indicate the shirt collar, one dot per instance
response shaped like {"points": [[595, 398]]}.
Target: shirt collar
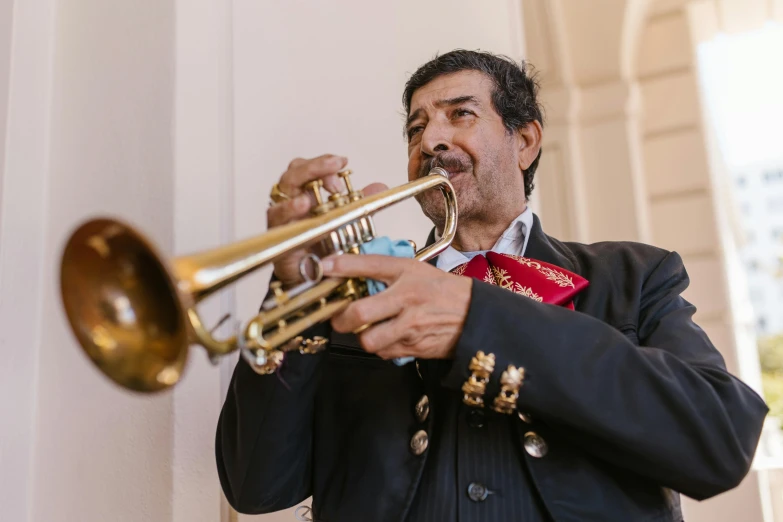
{"points": [[512, 241]]}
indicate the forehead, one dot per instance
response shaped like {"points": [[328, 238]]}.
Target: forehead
{"points": [[449, 86]]}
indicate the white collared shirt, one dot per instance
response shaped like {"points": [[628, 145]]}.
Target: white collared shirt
{"points": [[512, 241]]}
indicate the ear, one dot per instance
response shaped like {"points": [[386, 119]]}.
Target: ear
{"points": [[529, 143]]}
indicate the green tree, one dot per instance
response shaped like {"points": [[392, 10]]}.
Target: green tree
{"points": [[771, 358]]}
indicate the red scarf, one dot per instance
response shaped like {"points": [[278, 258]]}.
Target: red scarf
{"points": [[537, 280]]}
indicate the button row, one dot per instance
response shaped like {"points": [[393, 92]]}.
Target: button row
{"points": [[422, 409], [420, 439]]}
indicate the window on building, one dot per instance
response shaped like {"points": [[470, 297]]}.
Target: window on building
{"points": [[773, 176], [775, 204]]}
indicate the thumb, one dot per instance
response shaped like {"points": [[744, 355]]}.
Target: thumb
{"points": [[374, 188]]}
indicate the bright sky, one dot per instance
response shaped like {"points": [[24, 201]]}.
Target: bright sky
{"points": [[742, 77]]}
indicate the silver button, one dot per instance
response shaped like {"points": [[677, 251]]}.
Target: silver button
{"points": [[422, 408], [477, 492], [524, 417], [535, 445], [419, 442]]}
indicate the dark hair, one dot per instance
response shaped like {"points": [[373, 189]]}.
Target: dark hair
{"points": [[514, 97]]}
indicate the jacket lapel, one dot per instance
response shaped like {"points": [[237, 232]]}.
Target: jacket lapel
{"points": [[543, 248]]}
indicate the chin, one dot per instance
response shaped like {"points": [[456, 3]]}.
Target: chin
{"points": [[433, 206]]}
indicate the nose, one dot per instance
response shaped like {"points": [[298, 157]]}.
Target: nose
{"points": [[435, 139]]}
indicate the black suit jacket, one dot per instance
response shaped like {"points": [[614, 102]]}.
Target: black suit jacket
{"points": [[632, 397]]}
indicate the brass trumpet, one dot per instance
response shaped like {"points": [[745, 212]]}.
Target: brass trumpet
{"points": [[134, 313]]}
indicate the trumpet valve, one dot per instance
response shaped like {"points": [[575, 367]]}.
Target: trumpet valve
{"points": [[315, 187], [353, 195], [322, 206], [338, 200]]}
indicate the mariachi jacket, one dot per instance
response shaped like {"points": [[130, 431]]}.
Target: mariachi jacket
{"points": [[633, 400]]}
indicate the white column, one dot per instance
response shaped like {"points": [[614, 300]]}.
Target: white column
{"points": [[26, 54], [203, 219], [100, 452]]}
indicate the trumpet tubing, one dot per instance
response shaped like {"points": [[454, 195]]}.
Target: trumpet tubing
{"points": [[134, 313]]}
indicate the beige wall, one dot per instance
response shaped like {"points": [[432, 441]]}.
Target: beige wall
{"points": [[21, 177], [6, 19], [88, 131], [101, 453]]}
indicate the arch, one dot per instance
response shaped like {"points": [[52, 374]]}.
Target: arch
{"points": [[620, 79]]}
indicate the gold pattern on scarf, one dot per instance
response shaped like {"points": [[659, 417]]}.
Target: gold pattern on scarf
{"points": [[503, 280], [460, 269], [558, 277]]}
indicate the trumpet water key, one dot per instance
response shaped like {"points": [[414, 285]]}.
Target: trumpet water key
{"points": [[134, 313]]}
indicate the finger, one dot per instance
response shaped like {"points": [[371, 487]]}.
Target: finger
{"points": [[382, 337], [369, 310], [374, 188], [301, 172], [381, 268], [394, 351], [333, 184], [288, 211]]}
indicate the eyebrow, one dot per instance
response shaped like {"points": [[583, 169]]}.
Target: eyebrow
{"points": [[448, 102]]}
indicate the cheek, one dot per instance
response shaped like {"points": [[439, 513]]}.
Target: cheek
{"points": [[413, 165]]}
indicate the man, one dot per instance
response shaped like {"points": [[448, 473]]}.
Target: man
{"points": [[579, 391]]}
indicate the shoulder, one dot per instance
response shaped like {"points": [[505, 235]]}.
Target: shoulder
{"points": [[626, 262], [618, 252]]}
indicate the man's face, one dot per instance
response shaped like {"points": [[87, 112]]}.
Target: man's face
{"points": [[452, 124]]}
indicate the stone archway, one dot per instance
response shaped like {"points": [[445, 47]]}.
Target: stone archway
{"points": [[591, 108], [629, 155]]}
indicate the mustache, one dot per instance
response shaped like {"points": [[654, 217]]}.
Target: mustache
{"points": [[450, 162]]}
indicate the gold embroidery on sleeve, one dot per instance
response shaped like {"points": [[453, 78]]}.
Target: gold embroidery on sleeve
{"points": [[510, 383], [481, 367]]}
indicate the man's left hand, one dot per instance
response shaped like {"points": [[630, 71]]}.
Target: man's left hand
{"points": [[423, 308]]}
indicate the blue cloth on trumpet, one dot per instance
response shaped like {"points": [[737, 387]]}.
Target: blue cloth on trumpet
{"points": [[386, 247]]}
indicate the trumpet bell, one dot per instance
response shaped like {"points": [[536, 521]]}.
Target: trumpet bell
{"points": [[123, 307]]}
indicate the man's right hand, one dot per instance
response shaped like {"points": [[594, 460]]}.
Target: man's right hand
{"points": [[300, 172]]}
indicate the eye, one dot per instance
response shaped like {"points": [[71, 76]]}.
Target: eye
{"points": [[462, 112], [413, 131]]}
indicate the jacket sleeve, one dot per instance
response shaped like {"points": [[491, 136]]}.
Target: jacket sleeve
{"points": [[666, 408], [263, 444]]}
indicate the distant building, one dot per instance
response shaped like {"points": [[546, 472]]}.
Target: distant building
{"points": [[758, 191]]}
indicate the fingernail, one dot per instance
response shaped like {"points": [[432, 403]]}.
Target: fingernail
{"points": [[327, 264]]}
